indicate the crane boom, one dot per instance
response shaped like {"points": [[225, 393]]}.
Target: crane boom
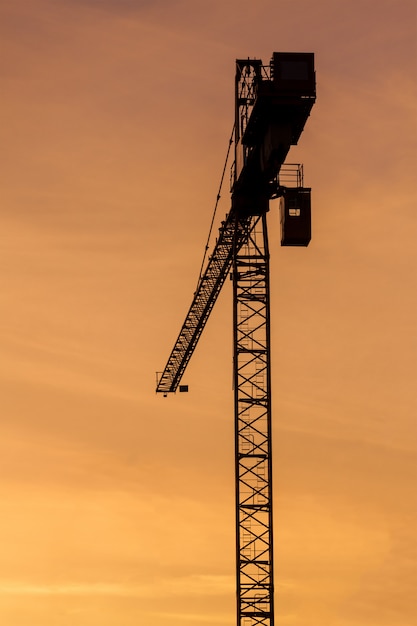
{"points": [[231, 237]]}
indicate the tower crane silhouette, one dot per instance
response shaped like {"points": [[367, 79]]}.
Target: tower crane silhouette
{"points": [[272, 104]]}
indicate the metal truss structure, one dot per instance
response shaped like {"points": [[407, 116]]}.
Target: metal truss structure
{"points": [[253, 458], [232, 234]]}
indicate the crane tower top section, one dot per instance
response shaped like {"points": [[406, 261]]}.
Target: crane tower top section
{"points": [[272, 105]]}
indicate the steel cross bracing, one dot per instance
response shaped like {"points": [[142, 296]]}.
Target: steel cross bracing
{"points": [[252, 389], [231, 236]]}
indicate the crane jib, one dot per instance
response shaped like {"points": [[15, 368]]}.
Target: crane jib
{"points": [[231, 237]]}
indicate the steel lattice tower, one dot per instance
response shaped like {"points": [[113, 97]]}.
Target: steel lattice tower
{"points": [[253, 458]]}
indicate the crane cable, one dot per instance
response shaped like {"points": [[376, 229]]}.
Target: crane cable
{"points": [[215, 207]]}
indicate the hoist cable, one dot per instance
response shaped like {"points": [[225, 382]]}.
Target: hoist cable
{"points": [[215, 207]]}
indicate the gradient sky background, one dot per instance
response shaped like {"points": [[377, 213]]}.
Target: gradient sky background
{"points": [[116, 505]]}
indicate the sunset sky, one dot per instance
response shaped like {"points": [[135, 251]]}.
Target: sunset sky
{"points": [[117, 505]]}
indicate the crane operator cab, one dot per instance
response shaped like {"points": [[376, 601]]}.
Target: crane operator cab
{"points": [[295, 216]]}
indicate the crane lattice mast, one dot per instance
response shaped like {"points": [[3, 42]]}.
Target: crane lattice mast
{"points": [[272, 104]]}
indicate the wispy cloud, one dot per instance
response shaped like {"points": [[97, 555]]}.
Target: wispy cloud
{"points": [[195, 618], [194, 585], [69, 589]]}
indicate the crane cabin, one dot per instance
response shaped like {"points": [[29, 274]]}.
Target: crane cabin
{"points": [[295, 216]]}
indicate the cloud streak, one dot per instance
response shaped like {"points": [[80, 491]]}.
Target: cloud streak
{"points": [[192, 585]]}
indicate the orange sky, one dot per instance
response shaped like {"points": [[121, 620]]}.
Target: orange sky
{"points": [[117, 506]]}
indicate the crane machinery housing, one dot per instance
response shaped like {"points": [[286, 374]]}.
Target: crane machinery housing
{"points": [[272, 104]]}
